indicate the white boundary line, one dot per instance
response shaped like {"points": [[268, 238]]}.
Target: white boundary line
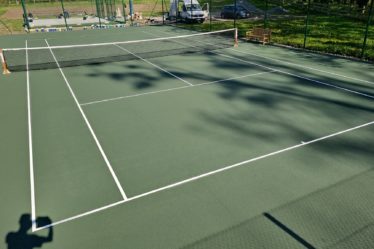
{"points": [[298, 76], [122, 42], [89, 127], [225, 168], [277, 70], [306, 67], [202, 175], [147, 61], [173, 89], [298, 65], [31, 157]]}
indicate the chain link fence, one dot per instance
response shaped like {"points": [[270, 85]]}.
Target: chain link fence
{"points": [[339, 27], [343, 27]]}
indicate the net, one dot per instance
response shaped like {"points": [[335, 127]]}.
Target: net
{"points": [[87, 54]]}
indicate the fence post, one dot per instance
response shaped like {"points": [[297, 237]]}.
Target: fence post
{"points": [[306, 24], [163, 12], [25, 17], [98, 11], [210, 15], [64, 15], [131, 11], [266, 15], [367, 29], [234, 13], [124, 11]]}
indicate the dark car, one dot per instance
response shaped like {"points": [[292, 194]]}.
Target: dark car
{"points": [[228, 11]]}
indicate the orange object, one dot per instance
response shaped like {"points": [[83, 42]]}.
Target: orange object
{"points": [[5, 67]]}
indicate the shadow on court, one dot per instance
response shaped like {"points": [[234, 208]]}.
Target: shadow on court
{"points": [[22, 239], [293, 224]]}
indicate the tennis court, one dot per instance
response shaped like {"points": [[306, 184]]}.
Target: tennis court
{"points": [[201, 145]]}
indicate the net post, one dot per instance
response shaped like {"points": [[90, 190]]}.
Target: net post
{"points": [[3, 62], [64, 13], [163, 12], [367, 29], [306, 25], [25, 16], [236, 38]]}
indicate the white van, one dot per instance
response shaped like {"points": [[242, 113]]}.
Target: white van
{"points": [[190, 11]]}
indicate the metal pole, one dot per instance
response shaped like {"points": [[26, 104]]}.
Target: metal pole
{"points": [[266, 15], [102, 8], [210, 15], [191, 11], [113, 9], [124, 11], [235, 14], [106, 5], [131, 11], [163, 12], [63, 13], [367, 29], [176, 11], [306, 24], [25, 17], [110, 6], [98, 12]]}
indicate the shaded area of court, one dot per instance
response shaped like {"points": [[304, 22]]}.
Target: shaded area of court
{"points": [[305, 120]]}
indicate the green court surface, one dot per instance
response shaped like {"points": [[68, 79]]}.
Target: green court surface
{"points": [[248, 147]]}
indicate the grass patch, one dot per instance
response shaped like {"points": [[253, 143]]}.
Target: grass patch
{"points": [[330, 34], [15, 26], [2, 10]]}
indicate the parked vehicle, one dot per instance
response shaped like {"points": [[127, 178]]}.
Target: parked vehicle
{"points": [[188, 11], [229, 11]]}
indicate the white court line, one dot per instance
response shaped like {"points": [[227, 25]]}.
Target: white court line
{"points": [[173, 89], [89, 127], [298, 76], [173, 185], [119, 43], [294, 64], [277, 70], [147, 61], [31, 157], [302, 66]]}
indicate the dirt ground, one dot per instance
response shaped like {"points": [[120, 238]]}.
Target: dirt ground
{"points": [[13, 14], [16, 13]]}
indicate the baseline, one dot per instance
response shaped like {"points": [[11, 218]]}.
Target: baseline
{"points": [[191, 179]]}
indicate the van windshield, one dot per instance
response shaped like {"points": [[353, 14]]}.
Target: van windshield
{"points": [[193, 7]]}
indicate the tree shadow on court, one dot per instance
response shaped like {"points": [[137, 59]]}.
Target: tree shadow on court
{"points": [[133, 75], [284, 110], [292, 224], [22, 239], [140, 75]]}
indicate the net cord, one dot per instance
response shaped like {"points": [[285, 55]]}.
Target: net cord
{"points": [[3, 63], [126, 42]]}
